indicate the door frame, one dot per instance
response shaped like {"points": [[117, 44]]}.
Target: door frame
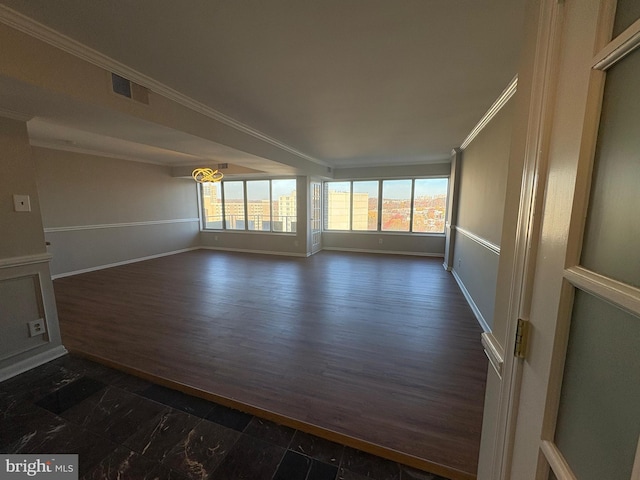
{"points": [[536, 94], [564, 106]]}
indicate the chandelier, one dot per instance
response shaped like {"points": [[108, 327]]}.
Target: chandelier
{"points": [[205, 175]]}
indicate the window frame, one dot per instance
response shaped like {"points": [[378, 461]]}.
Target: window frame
{"points": [[379, 230], [246, 229]]}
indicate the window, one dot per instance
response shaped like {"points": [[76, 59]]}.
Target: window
{"points": [[429, 205], [337, 197], [284, 205], [212, 205], [234, 205], [403, 205], [396, 205], [258, 206], [251, 205], [365, 205]]}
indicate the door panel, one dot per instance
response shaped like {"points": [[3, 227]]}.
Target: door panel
{"points": [[611, 237], [599, 415], [579, 393]]}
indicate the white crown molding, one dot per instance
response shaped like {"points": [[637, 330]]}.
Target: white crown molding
{"points": [[13, 115], [56, 39], [492, 112]]}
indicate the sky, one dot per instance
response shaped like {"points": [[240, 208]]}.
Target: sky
{"points": [[395, 189], [259, 189]]}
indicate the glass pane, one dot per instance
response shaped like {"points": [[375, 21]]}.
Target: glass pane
{"points": [[337, 197], [612, 231], [258, 205], [396, 205], [365, 205], [429, 205], [627, 12], [284, 205], [234, 205], [212, 205], [599, 416]]}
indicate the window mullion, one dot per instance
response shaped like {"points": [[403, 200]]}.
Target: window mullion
{"points": [[379, 205], [224, 207], [271, 205], [413, 184], [246, 205]]}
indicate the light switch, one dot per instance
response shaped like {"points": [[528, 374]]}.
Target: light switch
{"points": [[21, 203]]}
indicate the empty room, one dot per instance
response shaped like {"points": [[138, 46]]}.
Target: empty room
{"points": [[320, 240]]}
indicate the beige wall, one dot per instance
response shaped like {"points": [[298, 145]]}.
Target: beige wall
{"points": [[481, 204], [26, 290], [99, 211], [21, 232]]}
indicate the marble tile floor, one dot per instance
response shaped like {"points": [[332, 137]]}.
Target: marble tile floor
{"points": [[126, 428]]}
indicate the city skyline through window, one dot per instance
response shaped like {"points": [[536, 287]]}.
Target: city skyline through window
{"points": [[269, 206], [397, 205]]}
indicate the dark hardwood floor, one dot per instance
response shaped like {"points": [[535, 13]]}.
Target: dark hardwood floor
{"points": [[378, 352]]}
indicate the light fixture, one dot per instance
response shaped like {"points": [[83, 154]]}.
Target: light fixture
{"points": [[205, 175]]}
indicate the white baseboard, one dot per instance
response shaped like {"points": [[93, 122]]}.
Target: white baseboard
{"points": [[261, 252], [476, 311], [386, 252], [31, 362], [124, 262]]}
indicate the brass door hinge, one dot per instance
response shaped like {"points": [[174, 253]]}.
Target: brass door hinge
{"points": [[522, 338]]}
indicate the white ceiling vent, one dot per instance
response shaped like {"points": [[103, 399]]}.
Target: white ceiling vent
{"points": [[129, 89]]}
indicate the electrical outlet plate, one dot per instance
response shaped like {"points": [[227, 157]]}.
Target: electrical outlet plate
{"points": [[36, 327]]}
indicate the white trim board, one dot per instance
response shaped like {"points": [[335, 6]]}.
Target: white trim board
{"points": [[56, 39], [479, 240], [492, 112], [474, 308], [387, 252], [31, 362], [118, 225], [260, 252], [124, 262], [25, 260]]}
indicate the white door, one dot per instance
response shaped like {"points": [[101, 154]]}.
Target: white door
{"points": [[316, 217], [578, 414]]}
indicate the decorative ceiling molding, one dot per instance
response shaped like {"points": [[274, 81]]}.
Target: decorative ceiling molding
{"points": [[492, 112], [56, 39]]}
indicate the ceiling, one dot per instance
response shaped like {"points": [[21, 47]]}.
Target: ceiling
{"points": [[349, 83]]}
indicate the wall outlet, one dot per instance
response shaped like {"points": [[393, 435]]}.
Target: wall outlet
{"points": [[295, 243], [36, 327], [216, 238], [21, 203], [379, 241]]}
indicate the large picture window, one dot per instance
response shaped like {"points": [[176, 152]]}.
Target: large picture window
{"points": [[403, 205], [251, 205]]}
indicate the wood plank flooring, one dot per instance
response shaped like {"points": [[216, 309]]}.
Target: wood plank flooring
{"points": [[379, 352]]}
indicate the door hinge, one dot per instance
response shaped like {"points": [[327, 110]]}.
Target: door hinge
{"points": [[522, 338]]}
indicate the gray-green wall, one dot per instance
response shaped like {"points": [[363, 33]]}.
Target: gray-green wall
{"points": [[101, 211], [481, 203]]}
